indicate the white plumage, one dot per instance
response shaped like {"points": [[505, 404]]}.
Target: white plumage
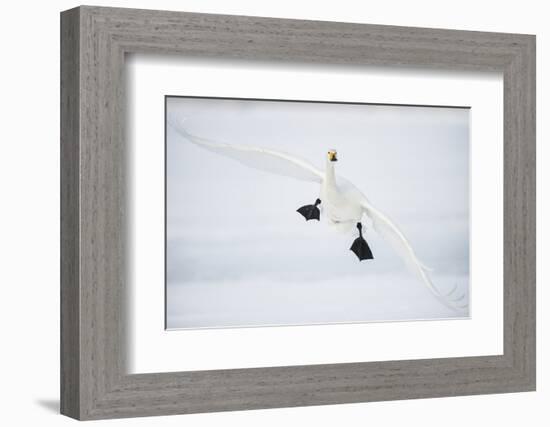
{"points": [[343, 204]]}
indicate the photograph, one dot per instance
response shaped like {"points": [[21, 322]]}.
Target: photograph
{"points": [[283, 212]]}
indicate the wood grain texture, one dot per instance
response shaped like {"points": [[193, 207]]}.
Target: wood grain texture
{"points": [[94, 272], [70, 292]]}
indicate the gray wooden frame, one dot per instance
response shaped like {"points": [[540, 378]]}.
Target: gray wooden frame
{"points": [[94, 41]]}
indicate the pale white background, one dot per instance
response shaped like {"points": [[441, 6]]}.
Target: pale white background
{"points": [[29, 168]]}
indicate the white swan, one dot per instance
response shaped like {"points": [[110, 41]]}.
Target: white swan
{"points": [[342, 203]]}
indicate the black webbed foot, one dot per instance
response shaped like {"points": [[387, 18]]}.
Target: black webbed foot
{"points": [[311, 211], [360, 246]]}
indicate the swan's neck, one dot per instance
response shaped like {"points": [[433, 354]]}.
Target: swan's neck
{"points": [[329, 174]]}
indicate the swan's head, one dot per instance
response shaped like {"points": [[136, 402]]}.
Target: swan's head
{"points": [[332, 156]]}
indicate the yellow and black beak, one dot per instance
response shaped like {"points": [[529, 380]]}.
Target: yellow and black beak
{"points": [[332, 156]]}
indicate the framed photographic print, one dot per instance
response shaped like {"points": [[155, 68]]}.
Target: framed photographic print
{"points": [[262, 213]]}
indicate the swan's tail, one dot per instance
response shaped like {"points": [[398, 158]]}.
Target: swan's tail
{"points": [[341, 227]]}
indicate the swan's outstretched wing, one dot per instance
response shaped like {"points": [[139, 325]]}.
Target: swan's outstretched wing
{"points": [[397, 240], [264, 159], [391, 233]]}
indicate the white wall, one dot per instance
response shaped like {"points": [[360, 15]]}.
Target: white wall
{"points": [[29, 226]]}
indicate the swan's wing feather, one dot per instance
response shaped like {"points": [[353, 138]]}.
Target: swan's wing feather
{"points": [[391, 233], [264, 159]]}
